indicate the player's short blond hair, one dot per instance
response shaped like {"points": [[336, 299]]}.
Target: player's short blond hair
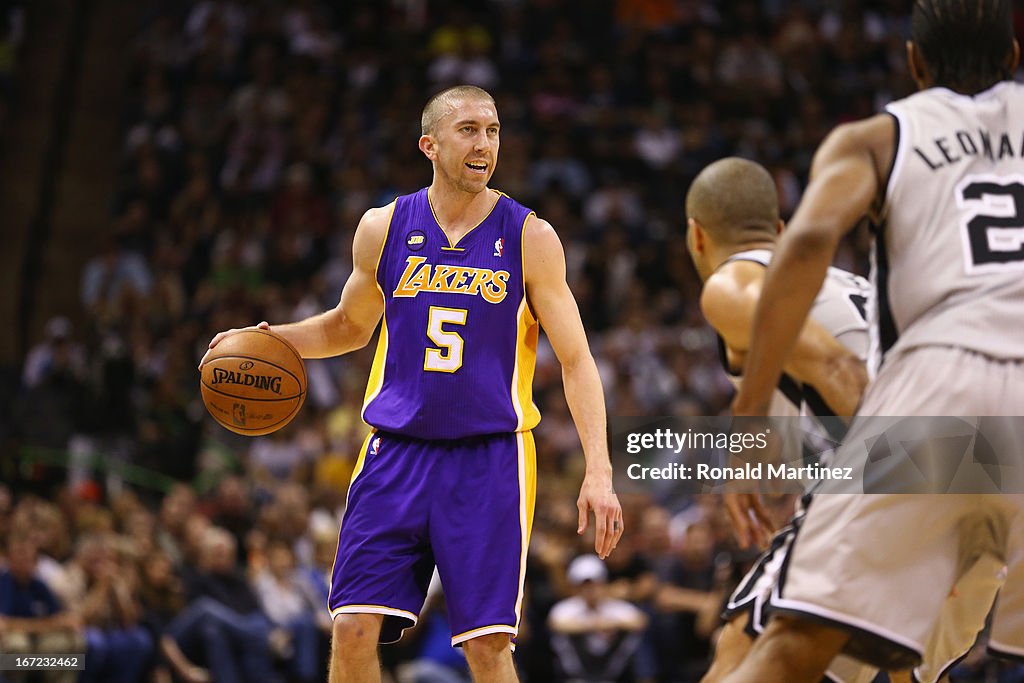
{"points": [[441, 104]]}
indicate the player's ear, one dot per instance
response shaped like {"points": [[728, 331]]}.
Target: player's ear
{"points": [[697, 236], [918, 69], [1014, 58], [779, 227], [428, 146]]}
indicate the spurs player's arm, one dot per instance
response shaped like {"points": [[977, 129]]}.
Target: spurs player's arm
{"points": [[847, 178], [349, 325], [553, 304], [729, 300]]}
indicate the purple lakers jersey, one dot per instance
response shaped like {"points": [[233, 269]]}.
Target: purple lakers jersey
{"points": [[458, 343]]}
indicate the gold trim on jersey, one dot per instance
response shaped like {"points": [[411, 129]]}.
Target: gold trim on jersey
{"points": [[375, 609], [522, 258], [460, 638], [375, 382], [355, 473], [527, 500], [521, 390], [452, 245], [527, 333]]}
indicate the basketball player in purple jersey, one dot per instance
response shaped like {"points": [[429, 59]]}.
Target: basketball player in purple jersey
{"points": [[463, 277]]}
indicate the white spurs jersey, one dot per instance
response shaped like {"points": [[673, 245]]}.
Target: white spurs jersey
{"points": [[841, 308], [948, 265]]}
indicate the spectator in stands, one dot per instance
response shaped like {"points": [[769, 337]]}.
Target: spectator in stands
{"points": [[594, 636], [116, 272], [6, 503], [279, 589], [162, 597], [31, 620], [231, 510], [53, 408], [57, 353], [175, 509], [223, 624], [118, 648], [689, 601]]}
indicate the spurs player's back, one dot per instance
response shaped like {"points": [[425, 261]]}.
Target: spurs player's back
{"points": [[840, 309], [949, 259]]}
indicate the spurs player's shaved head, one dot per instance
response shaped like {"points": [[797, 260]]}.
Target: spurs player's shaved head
{"points": [[442, 104], [734, 201]]}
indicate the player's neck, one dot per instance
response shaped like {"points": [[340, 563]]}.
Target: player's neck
{"points": [[458, 211], [719, 257], [759, 245]]}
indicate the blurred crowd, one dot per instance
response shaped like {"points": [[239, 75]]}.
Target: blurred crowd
{"points": [[12, 30], [255, 136]]}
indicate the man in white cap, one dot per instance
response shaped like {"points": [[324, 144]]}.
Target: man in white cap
{"points": [[594, 636]]}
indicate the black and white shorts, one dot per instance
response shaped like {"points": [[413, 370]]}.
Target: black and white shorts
{"points": [[913, 576]]}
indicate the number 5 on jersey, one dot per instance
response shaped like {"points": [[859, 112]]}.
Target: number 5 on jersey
{"points": [[448, 357]]}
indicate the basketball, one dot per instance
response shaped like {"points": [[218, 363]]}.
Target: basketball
{"points": [[254, 382]]}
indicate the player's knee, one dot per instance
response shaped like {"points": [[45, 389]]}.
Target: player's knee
{"points": [[355, 633], [487, 648]]}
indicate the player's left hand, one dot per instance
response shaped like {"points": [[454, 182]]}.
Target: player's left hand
{"points": [[598, 495], [751, 522]]}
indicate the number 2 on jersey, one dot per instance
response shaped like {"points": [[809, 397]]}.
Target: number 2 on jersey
{"points": [[993, 226], [448, 357]]}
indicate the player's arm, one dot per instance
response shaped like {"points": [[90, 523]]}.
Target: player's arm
{"points": [[846, 180], [349, 325], [553, 304], [625, 617], [729, 301]]}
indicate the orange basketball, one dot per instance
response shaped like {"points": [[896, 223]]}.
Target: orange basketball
{"points": [[254, 382]]}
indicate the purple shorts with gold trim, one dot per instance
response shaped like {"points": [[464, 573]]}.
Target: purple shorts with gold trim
{"points": [[465, 506]]}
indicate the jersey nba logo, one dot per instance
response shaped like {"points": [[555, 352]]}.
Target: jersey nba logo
{"points": [[375, 446], [499, 246]]}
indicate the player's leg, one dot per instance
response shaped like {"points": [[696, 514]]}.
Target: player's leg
{"points": [[1007, 639], [830, 587], [480, 531], [736, 640], [744, 611], [879, 567], [963, 617], [834, 579], [383, 566], [490, 658], [354, 648], [731, 648], [790, 651]]}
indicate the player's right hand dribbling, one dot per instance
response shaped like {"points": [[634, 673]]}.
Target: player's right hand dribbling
{"points": [[264, 325]]}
